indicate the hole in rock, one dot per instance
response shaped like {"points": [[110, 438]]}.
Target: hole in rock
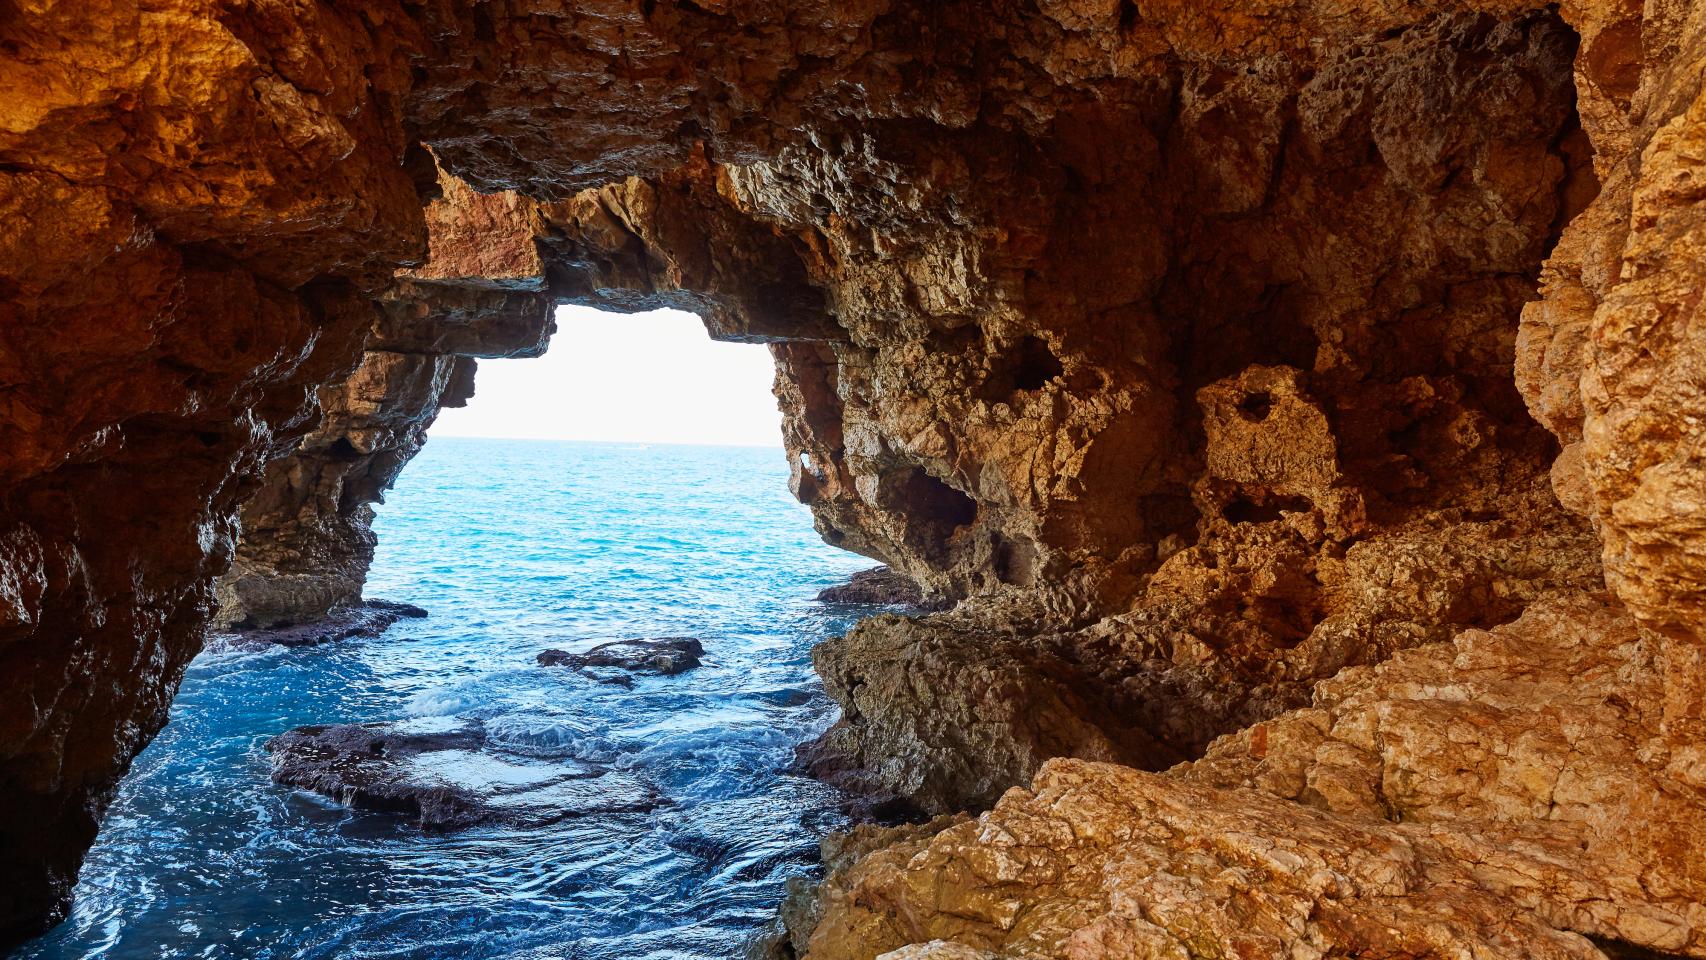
{"points": [[1015, 562], [1263, 508], [1026, 366], [932, 510], [1256, 407], [1624, 950], [631, 484]]}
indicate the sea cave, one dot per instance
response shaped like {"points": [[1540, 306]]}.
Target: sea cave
{"points": [[1280, 426]]}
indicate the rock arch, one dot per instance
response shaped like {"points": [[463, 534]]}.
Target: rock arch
{"points": [[249, 250]]}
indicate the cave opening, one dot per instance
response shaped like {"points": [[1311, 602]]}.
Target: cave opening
{"points": [[1023, 367], [582, 663], [1290, 260], [935, 512]]}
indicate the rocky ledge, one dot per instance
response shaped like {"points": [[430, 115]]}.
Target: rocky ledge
{"points": [[446, 775], [880, 587], [364, 620], [1491, 796]]}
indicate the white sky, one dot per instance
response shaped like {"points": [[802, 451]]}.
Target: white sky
{"points": [[652, 377]]}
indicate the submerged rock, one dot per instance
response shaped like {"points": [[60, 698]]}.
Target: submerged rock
{"points": [[365, 620], [664, 656], [879, 586], [445, 776]]}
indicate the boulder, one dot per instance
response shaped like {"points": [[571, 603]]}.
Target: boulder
{"points": [[878, 586], [663, 656]]}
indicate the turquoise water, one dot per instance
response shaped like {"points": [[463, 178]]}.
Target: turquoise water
{"points": [[514, 547]]}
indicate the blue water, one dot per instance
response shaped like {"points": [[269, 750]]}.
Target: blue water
{"points": [[514, 547]]}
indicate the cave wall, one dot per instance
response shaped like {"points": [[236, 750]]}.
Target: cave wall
{"points": [[306, 536], [1175, 340]]}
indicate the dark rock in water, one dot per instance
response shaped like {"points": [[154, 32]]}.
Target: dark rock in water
{"points": [[880, 586], [368, 619], [443, 774], [663, 655]]}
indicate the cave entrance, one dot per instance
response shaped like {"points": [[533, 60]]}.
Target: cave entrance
{"points": [[628, 485], [626, 378]]}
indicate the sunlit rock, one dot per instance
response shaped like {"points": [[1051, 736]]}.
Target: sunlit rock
{"points": [[1202, 352]]}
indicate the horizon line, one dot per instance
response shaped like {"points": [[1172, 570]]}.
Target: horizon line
{"points": [[662, 443]]}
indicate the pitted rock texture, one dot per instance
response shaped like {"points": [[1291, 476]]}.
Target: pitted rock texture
{"points": [[1186, 343], [950, 710], [1487, 796]]}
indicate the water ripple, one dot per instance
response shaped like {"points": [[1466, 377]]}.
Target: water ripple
{"points": [[515, 547]]}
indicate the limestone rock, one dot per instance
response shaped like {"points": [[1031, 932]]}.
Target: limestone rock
{"points": [[878, 586], [307, 539], [1191, 346], [365, 620], [1488, 795]]}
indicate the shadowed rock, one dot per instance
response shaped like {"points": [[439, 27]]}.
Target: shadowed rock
{"points": [[366, 620], [879, 586], [664, 656], [444, 776]]}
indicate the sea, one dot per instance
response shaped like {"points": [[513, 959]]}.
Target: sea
{"points": [[514, 547]]}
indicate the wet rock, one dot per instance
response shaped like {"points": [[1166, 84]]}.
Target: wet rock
{"points": [[879, 586], [445, 776], [365, 620], [662, 656]]}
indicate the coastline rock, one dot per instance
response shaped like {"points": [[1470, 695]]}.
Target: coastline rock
{"points": [[661, 656], [1488, 795], [444, 776], [946, 712], [307, 538], [878, 586], [1192, 345], [366, 620], [941, 721]]}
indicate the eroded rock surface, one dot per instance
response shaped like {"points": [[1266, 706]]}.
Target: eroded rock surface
{"points": [[663, 656], [1194, 348], [878, 586], [364, 620], [1488, 796], [307, 535], [444, 776]]}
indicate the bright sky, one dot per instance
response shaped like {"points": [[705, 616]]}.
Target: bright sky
{"points": [[651, 377]]}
